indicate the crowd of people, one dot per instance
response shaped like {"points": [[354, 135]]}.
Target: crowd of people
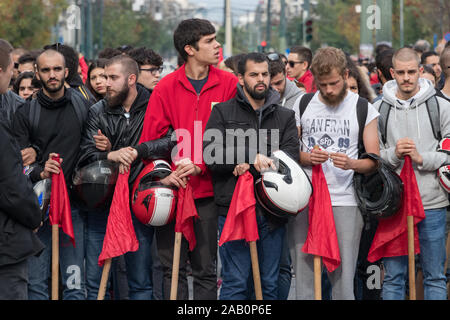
{"points": [[117, 108]]}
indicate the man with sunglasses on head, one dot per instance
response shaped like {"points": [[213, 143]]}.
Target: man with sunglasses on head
{"points": [[299, 62], [150, 66]]}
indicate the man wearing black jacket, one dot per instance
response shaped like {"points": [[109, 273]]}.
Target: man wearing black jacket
{"points": [[255, 106], [112, 132], [55, 127], [19, 208]]}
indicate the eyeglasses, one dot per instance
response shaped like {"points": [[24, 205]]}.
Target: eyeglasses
{"points": [[273, 56], [293, 63], [153, 70]]}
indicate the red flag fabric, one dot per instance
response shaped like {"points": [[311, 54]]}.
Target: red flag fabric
{"points": [[120, 237], [322, 237], [59, 210], [391, 237], [186, 213], [241, 218]]}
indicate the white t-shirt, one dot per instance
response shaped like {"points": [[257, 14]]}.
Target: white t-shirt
{"points": [[334, 129]]}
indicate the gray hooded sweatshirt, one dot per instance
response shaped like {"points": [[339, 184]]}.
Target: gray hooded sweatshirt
{"points": [[291, 93], [410, 119]]}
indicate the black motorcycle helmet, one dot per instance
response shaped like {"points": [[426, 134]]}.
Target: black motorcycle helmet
{"points": [[94, 184], [378, 194]]}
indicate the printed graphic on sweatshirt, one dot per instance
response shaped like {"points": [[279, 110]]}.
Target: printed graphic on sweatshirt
{"points": [[330, 134]]}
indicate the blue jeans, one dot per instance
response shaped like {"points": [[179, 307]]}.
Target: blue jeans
{"points": [[432, 258], [237, 273], [71, 262], [139, 281], [285, 276]]}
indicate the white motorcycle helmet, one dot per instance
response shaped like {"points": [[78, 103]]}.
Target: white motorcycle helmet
{"points": [[286, 191], [444, 171]]}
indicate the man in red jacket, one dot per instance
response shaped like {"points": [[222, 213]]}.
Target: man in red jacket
{"points": [[298, 67], [183, 100]]}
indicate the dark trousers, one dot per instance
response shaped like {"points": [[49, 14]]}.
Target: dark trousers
{"points": [[202, 259], [14, 281]]}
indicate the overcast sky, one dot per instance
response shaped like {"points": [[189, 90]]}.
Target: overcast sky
{"points": [[215, 8]]}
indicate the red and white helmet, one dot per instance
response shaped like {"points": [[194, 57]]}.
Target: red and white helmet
{"points": [[152, 202], [444, 171]]}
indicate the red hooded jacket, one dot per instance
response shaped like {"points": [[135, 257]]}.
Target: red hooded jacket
{"points": [[175, 103]]}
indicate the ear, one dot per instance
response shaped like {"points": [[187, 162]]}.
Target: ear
{"points": [[241, 79], [421, 70], [37, 74], [66, 73], [391, 70], [132, 79], [189, 50], [345, 75]]}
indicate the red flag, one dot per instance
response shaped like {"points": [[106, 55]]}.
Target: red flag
{"points": [[59, 211], [391, 238], [186, 213], [322, 238], [241, 217], [120, 237]]}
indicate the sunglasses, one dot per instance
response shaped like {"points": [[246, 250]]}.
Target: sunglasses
{"points": [[293, 63], [153, 70]]}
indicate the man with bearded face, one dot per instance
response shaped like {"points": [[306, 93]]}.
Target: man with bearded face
{"points": [[330, 122], [253, 112], [61, 115], [112, 132]]}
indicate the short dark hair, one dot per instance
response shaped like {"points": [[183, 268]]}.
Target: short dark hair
{"points": [[252, 56], [303, 53], [427, 54], [128, 64], [108, 53], [189, 32], [70, 57], [232, 62], [383, 62], [5, 54], [145, 56], [276, 67], [26, 58]]}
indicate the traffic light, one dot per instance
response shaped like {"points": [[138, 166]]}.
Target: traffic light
{"points": [[309, 30]]}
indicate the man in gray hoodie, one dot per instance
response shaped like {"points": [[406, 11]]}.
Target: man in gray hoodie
{"points": [[287, 89], [409, 132]]}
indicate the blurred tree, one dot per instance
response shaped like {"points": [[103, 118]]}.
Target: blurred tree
{"points": [[27, 23]]}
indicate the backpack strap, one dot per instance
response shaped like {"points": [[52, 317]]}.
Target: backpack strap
{"points": [[304, 101], [362, 107], [385, 109], [434, 114], [79, 106], [35, 113]]}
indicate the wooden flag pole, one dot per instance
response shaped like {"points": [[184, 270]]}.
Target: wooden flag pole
{"points": [[317, 278], [175, 266], [411, 262], [255, 269], [55, 261], [104, 280]]}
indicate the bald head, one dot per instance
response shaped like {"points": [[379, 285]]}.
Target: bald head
{"points": [[444, 61], [405, 55], [51, 54]]}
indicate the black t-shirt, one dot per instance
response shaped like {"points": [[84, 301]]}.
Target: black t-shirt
{"points": [[198, 84]]}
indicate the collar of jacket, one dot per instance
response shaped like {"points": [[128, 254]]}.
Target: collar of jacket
{"points": [[272, 99], [141, 101], [48, 103], [213, 79]]}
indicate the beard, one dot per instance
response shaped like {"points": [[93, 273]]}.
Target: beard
{"points": [[335, 100], [257, 95], [52, 89], [119, 98]]}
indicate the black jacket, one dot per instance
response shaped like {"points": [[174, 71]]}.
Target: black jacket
{"points": [[58, 130], [237, 113], [9, 102], [19, 207], [122, 131]]}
